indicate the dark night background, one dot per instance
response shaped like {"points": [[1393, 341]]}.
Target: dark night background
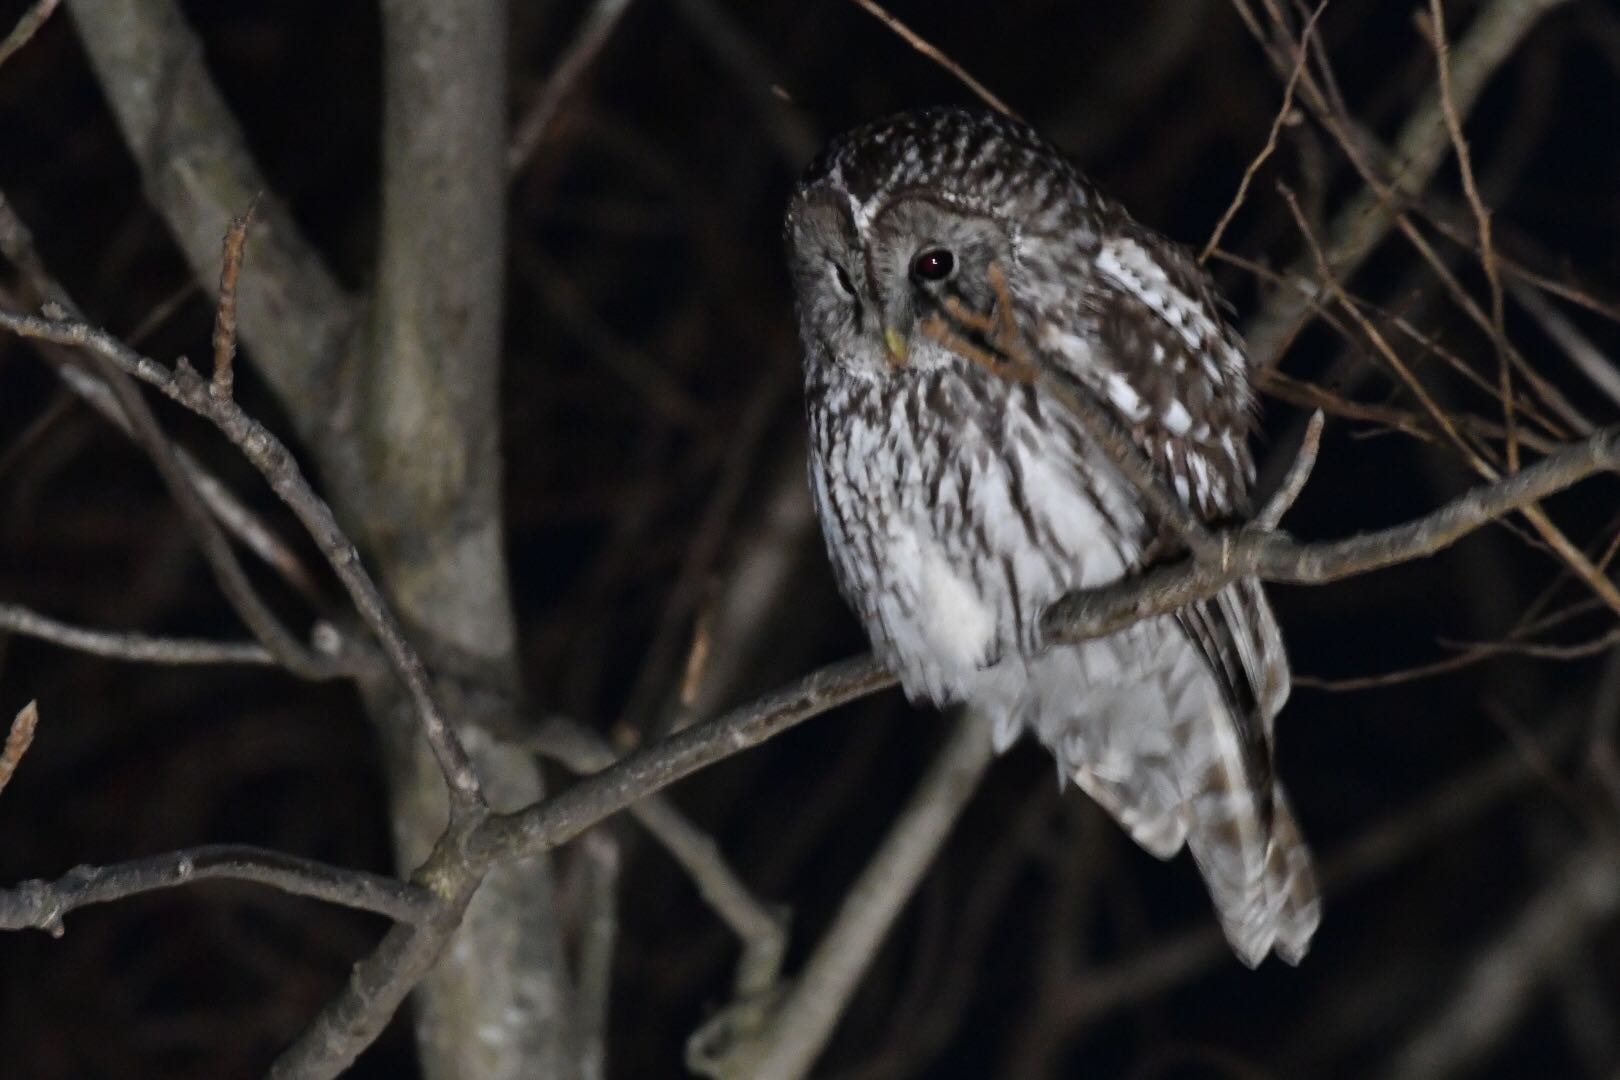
{"points": [[653, 436]]}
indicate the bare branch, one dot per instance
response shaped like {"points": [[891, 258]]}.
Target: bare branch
{"points": [[599, 936], [1274, 557], [800, 1025], [197, 171], [916, 41], [277, 465], [1294, 480], [26, 28], [1572, 556], [1592, 361], [225, 311], [762, 931], [564, 816], [139, 648], [1284, 112], [18, 739], [17, 244], [1482, 218], [1419, 148], [594, 31], [352, 1021], [215, 546], [42, 904]]}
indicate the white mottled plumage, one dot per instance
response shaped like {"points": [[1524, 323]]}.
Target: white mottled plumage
{"points": [[958, 501]]}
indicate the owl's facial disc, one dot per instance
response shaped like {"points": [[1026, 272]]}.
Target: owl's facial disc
{"points": [[924, 253]]}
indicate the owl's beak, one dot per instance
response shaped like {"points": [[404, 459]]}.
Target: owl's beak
{"points": [[896, 342]]}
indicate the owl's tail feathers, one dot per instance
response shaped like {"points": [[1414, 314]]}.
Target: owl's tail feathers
{"points": [[1290, 875], [1261, 881], [1263, 886]]}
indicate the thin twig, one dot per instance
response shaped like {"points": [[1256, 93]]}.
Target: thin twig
{"points": [[277, 465], [1294, 480], [42, 904], [225, 312], [600, 852], [1363, 221], [1555, 538], [17, 244], [798, 1028], [762, 930], [916, 41], [233, 581], [1482, 218], [1592, 361], [18, 739], [26, 27], [1284, 112], [122, 645], [594, 30]]}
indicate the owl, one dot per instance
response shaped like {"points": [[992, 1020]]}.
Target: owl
{"points": [[948, 264]]}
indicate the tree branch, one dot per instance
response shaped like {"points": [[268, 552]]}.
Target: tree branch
{"points": [[799, 1025], [277, 465], [26, 27], [19, 737], [1419, 149], [763, 932], [140, 648], [198, 173], [42, 904]]}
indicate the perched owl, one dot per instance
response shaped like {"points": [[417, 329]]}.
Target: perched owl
{"points": [[959, 499]]}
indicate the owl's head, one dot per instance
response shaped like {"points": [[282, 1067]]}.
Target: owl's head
{"points": [[902, 216]]}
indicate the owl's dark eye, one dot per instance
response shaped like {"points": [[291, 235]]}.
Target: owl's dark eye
{"points": [[843, 281], [935, 264]]}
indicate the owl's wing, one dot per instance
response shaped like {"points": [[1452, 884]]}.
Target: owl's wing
{"points": [[1159, 356]]}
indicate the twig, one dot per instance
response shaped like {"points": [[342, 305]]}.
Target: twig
{"points": [[1592, 362], [1116, 442], [743, 57], [197, 171], [762, 931], [1482, 217], [277, 465], [1567, 551], [634, 777], [378, 984], [225, 312], [1363, 221], [599, 935], [215, 546], [18, 739], [26, 27], [1294, 480], [1008, 358], [42, 904], [916, 41], [595, 29], [1284, 111], [800, 1025], [17, 244], [139, 648]]}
